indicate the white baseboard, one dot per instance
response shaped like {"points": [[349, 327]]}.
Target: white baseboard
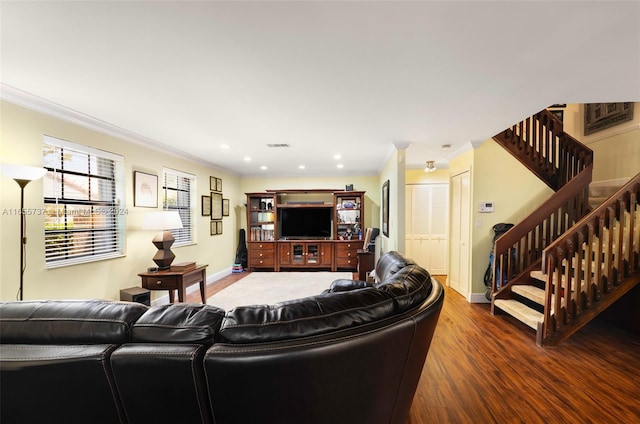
{"points": [[162, 300], [478, 298]]}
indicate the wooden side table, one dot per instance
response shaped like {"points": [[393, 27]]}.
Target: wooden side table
{"points": [[176, 280], [366, 261]]}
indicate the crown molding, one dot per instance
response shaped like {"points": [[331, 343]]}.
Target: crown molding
{"points": [[38, 104]]}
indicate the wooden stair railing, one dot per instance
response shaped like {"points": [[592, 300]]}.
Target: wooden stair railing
{"points": [[540, 144], [520, 249], [592, 265], [565, 165]]}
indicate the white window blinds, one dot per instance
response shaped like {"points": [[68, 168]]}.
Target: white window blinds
{"points": [[84, 203], [178, 194]]}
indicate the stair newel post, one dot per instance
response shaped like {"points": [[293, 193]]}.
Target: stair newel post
{"points": [[609, 264], [588, 272], [569, 278], [579, 273], [557, 289], [548, 305], [619, 255], [633, 231]]}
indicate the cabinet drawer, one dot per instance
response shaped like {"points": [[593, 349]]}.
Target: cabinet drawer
{"points": [[160, 283], [262, 254], [265, 247], [351, 262], [346, 250], [259, 262]]}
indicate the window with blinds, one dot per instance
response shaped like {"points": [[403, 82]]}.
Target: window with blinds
{"points": [[178, 190], [84, 206]]}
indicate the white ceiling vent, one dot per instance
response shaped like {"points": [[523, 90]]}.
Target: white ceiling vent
{"points": [[278, 145]]}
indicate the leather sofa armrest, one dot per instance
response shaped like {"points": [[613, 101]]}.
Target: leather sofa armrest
{"points": [[342, 285]]}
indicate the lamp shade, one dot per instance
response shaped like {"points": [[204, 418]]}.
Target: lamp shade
{"points": [[165, 220], [22, 172]]}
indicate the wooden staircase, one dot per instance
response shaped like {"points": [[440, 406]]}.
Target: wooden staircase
{"points": [[569, 260]]}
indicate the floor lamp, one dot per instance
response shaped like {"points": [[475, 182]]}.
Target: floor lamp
{"points": [[22, 175]]}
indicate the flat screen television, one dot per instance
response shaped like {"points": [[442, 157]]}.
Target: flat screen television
{"points": [[305, 223]]}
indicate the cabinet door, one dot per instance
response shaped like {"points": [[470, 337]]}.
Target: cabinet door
{"points": [[325, 254], [297, 253], [284, 253], [312, 254]]}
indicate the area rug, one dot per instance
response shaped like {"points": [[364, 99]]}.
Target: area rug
{"points": [[266, 288]]}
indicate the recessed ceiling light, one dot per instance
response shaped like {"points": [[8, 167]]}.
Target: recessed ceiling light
{"points": [[247, 159], [301, 167], [225, 146], [263, 167], [340, 166], [337, 156]]}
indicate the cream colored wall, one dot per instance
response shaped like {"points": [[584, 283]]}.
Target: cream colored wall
{"points": [[21, 138], [493, 171], [499, 178], [394, 171], [616, 150], [418, 176]]}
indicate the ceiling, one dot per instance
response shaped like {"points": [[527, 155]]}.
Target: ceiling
{"points": [[349, 78]]}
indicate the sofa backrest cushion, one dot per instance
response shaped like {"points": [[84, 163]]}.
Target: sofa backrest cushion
{"points": [[390, 263], [408, 287], [305, 317], [68, 321], [178, 323]]}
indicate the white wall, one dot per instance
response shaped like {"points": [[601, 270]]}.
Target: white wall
{"points": [[21, 135]]}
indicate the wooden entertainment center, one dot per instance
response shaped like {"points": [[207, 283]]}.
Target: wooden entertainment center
{"points": [[303, 229]]}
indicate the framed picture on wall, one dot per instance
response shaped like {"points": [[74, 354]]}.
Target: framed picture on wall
{"points": [[216, 205], [385, 208], [145, 190], [225, 207], [206, 205]]}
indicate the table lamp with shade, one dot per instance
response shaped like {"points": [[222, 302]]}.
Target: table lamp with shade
{"points": [[163, 222], [22, 175]]}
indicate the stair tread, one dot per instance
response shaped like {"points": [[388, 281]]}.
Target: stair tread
{"points": [[523, 313], [532, 293]]}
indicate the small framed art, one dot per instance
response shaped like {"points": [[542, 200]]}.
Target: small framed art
{"points": [[145, 190], [206, 205], [385, 208], [225, 207], [216, 228]]}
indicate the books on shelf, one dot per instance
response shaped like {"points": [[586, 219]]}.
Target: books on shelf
{"points": [[262, 233], [183, 266]]}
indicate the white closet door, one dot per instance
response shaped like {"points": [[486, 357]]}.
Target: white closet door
{"points": [[460, 231], [426, 226]]}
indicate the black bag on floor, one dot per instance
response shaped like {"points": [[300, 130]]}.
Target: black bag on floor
{"points": [[498, 230]]}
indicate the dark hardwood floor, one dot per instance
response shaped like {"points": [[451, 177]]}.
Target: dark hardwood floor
{"points": [[488, 369]]}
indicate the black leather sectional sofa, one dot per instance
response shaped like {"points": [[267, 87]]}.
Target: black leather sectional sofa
{"points": [[352, 354]]}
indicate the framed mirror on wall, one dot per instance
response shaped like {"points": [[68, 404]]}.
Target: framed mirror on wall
{"points": [[385, 208]]}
